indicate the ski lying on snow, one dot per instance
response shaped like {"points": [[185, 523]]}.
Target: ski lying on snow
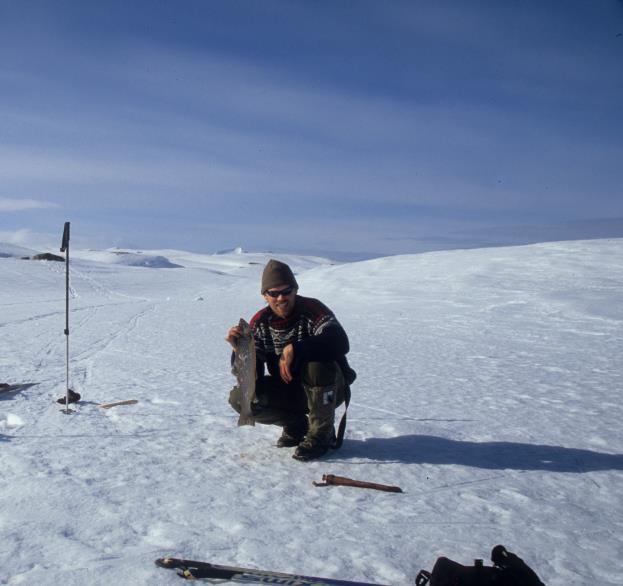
{"points": [[5, 388], [193, 570]]}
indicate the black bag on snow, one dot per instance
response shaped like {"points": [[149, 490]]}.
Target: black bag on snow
{"points": [[508, 570]]}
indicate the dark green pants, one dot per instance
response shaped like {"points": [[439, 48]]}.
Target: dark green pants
{"points": [[309, 401]]}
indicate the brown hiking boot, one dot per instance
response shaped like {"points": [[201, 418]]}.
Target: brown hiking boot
{"points": [[292, 436], [306, 452], [312, 448]]}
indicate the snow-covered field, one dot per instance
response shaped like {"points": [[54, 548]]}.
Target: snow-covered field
{"points": [[489, 389]]}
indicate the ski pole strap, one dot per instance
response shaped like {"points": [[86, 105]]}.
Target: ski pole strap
{"points": [[339, 438], [422, 578]]}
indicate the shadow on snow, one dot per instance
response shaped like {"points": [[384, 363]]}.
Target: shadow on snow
{"points": [[9, 391], [425, 449]]}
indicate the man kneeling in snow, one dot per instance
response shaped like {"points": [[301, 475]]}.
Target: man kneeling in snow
{"points": [[303, 347]]}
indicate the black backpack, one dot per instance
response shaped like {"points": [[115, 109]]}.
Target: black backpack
{"points": [[507, 570]]}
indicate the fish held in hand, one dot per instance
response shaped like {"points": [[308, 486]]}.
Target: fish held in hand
{"points": [[244, 371]]}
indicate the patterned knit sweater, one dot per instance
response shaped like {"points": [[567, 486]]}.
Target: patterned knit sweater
{"points": [[312, 329]]}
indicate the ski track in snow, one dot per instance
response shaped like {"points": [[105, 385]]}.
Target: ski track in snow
{"points": [[488, 389]]}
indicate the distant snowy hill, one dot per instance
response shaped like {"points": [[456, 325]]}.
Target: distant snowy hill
{"points": [[11, 250], [224, 261], [488, 388], [518, 235]]}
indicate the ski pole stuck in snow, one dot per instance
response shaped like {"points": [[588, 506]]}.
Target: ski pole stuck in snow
{"points": [[70, 396], [332, 480]]}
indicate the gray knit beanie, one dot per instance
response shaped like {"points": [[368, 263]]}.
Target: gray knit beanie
{"points": [[277, 273]]}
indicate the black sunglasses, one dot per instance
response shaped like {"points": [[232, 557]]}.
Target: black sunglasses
{"points": [[285, 292]]}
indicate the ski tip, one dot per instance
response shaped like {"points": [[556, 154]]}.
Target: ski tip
{"points": [[173, 563], [10, 388], [185, 569]]}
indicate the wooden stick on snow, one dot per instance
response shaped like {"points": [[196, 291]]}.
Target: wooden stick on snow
{"points": [[332, 480], [117, 403]]}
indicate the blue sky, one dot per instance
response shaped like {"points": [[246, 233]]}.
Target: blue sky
{"points": [[356, 126]]}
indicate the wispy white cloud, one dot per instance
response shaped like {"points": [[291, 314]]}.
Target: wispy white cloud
{"points": [[8, 204], [402, 118], [18, 237], [31, 240]]}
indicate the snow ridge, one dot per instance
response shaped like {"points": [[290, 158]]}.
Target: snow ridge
{"points": [[488, 389]]}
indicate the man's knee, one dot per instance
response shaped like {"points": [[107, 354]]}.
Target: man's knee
{"points": [[320, 374], [325, 374]]}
